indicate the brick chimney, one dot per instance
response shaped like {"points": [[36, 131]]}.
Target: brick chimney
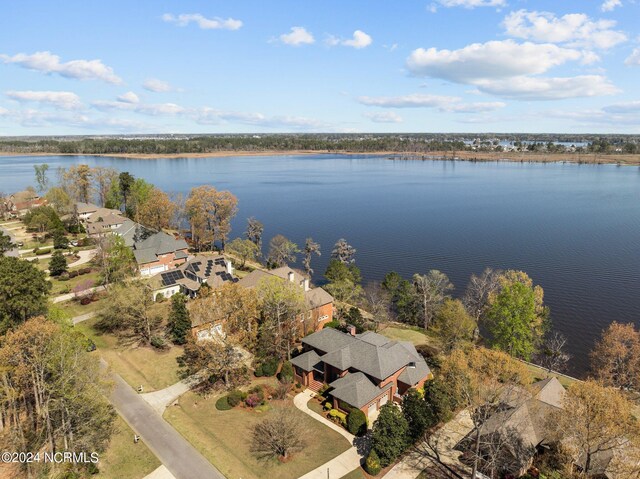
{"points": [[351, 329]]}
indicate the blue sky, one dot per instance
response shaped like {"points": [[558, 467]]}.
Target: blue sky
{"points": [[78, 67]]}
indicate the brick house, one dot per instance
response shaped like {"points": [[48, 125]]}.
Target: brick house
{"points": [[154, 251], [318, 303], [364, 371]]}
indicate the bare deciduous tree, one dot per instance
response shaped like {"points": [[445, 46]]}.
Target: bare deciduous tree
{"points": [[431, 291], [552, 354], [279, 436], [343, 252], [310, 248], [476, 296]]}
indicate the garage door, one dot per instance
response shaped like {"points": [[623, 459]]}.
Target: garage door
{"points": [[384, 400], [156, 269]]}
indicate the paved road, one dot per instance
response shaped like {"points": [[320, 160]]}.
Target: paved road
{"points": [[180, 457]]}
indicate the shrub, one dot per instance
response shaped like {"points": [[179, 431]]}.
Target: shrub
{"points": [[222, 404], [84, 301], [286, 372], [235, 397], [338, 416], [332, 324], [258, 391], [372, 464], [327, 406], [159, 298], [356, 422], [258, 371], [85, 271], [269, 367], [73, 274], [40, 252], [253, 400], [157, 341]]}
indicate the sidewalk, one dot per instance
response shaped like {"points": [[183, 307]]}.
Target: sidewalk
{"points": [[340, 465]]}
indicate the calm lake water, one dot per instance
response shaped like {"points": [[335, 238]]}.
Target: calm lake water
{"points": [[574, 228]]}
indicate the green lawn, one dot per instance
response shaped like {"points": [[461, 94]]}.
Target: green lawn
{"points": [[415, 335], [123, 458], [355, 474], [224, 438], [74, 308], [63, 287], [144, 366]]}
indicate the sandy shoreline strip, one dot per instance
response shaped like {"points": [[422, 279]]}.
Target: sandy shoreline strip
{"points": [[518, 157]]}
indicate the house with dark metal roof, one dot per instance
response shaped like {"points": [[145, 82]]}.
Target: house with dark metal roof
{"points": [[319, 303], [364, 371], [189, 277]]}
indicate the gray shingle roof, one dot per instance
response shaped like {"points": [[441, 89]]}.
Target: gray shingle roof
{"points": [[356, 389], [413, 375], [148, 249], [371, 353], [306, 361], [327, 339]]}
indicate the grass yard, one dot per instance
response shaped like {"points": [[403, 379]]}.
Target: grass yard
{"points": [[355, 474], [224, 438], [63, 287], [414, 335], [137, 365], [74, 308], [123, 458]]}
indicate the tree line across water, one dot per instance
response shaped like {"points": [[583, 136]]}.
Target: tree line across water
{"points": [[362, 143]]}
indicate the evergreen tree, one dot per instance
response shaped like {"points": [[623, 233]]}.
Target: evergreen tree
{"points": [[179, 321], [58, 264], [417, 414], [390, 432]]}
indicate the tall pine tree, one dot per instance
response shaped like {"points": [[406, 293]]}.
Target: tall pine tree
{"points": [[179, 321]]}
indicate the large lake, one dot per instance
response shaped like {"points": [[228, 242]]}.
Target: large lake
{"points": [[574, 228]]}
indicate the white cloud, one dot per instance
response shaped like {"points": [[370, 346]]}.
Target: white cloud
{"points": [[64, 100], [634, 58], [39, 119], [383, 117], [155, 85], [473, 3], [535, 88], [297, 36], [493, 59], [47, 62], [152, 109], [215, 23], [408, 101], [628, 107], [443, 103], [359, 40], [509, 69], [476, 107], [129, 97], [609, 5], [573, 29]]}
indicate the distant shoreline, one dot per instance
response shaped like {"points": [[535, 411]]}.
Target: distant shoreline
{"points": [[473, 156]]}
